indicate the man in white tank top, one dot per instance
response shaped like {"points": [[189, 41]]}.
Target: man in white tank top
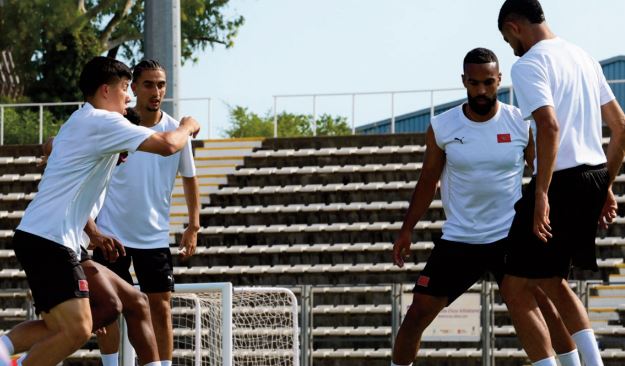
{"points": [[478, 151], [564, 92]]}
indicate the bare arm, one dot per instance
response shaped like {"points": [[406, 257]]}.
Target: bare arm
{"points": [[547, 130], [170, 142], [111, 248], [433, 164], [612, 115], [192, 197], [530, 151]]}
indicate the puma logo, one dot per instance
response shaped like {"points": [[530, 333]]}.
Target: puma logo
{"points": [[459, 139]]}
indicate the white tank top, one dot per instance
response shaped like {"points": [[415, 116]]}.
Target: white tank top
{"points": [[483, 172]]}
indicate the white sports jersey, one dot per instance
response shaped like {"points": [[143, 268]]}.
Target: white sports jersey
{"points": [[78, 170], [559, 74], [136, 208], [483, 172]]}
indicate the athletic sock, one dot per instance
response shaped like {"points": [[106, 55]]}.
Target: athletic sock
{"points": [[549, 361], [7, 344], [112, 359], [588, 347], [166, 363], [155, 363], [570, 358], [395, 364]]}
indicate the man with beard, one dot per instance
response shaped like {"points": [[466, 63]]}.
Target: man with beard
{"points": [[478, 151], [136, 212], [562, 89]]}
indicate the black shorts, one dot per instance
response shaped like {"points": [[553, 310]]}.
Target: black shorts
{"points": [[454, 267], [576, 197], [53, 271], [84, 255], [153, 268]]}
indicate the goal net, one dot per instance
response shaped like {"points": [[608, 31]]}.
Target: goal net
{"points": [[216, 324]]}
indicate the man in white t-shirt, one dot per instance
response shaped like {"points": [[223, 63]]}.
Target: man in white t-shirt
{"points": [[47, 240], [564, 92], [477, 151], [136, 212]]}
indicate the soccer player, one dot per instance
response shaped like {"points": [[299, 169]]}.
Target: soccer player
{"points": [[478, 152], [136, 211], [565, 94], [47, 240]]}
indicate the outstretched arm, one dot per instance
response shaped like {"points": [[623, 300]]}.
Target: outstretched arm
{"points": [[433, 164], [170, 142]]}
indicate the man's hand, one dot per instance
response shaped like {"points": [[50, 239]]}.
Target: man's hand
{"points": [[188, 242], [42, 161], [609, 211], [401, 248], [111, 248], [191, 124], [542, 227]]}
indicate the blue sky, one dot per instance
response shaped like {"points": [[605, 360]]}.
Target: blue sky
{"points": [[335, 46]]}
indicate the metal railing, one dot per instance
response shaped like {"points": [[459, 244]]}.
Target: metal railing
{"points": [[391, 107], [487, 340], [42, 106]]}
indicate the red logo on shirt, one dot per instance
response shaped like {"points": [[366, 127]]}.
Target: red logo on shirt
{"points": [[423, 281], [83, 285], [503, 137]]}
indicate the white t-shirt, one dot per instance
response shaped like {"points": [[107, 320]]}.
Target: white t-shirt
{"points": [[136, 208], [483, 172], [78, 170], [557, 73]]}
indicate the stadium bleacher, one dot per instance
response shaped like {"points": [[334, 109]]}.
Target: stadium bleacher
{"points": [[319, 211]]}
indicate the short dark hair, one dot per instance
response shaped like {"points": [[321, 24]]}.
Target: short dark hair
{"points": [[480, 56], [101, 70], [145, 65], [528, 9]]}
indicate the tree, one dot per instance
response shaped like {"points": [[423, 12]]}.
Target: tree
{"points": [[52, 39], [244, 123]]}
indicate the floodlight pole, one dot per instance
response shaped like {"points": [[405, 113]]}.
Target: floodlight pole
{"points": [[162, 43]]}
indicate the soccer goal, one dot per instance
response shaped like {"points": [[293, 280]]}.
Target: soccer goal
{"points": [[217, 324]]}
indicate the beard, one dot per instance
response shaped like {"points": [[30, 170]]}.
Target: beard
{"points": [[482, 108]]}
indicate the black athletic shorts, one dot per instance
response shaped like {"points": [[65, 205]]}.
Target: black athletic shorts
{"points": [[576, 198], [53, 271], [153, 268], [454, 267], [84, 254]]}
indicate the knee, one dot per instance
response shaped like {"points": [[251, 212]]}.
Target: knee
{"points": [[109, 312], [418, 317], [137, 304], [160, 306], [78, 333]]}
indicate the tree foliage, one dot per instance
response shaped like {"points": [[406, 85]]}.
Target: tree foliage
{"points": [[21, 125], [244, 123], [52, 39]]}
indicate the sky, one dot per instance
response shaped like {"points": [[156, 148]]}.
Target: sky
{"points": [[298, 47]]}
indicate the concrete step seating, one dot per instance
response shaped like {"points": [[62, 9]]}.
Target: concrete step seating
{"points": [[6, 160], [214, 161], [363, 150]]}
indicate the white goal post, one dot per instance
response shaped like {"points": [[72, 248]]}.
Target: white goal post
{"points": [[218, 324]]}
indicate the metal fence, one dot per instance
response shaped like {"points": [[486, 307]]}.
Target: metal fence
{"points": [[51, 111], [391, 96]]}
